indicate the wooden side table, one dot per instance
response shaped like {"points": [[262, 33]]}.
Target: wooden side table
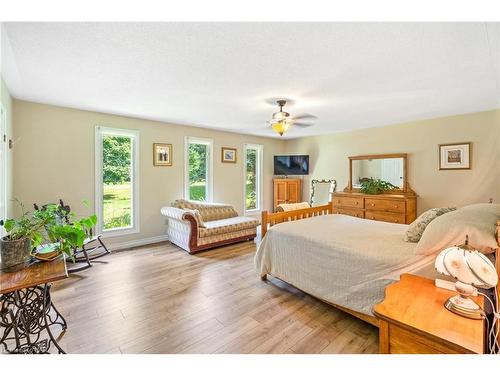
{"points": [[26, 309], [413, 320]]}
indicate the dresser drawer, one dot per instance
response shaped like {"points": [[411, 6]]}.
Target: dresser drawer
{"points": [[385, 216], [350, 212], [385, 205], [348, 202], [402, 341]]}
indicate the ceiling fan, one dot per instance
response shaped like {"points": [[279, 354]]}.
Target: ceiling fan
{"points": [[281, 120]]}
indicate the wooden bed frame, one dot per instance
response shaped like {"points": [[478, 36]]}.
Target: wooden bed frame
{"points": [[270, 219], [280, 217]]}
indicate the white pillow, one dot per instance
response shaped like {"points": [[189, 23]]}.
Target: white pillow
{"points": [[417, 228], [478, 221]]}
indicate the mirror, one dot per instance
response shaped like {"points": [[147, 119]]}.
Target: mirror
{"points": [[322, 192], [387, 167], [390, 170]]}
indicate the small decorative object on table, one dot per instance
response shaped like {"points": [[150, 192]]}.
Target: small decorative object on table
{"points": [[228, 155], [472, 270], [162, 154], [47, 252]]}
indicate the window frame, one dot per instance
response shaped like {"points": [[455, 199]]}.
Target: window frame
{"points": [[210, 166], [3, 165], [259, 174], [101, 131]]}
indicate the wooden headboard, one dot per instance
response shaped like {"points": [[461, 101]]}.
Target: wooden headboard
{"points": [[270, 219]]}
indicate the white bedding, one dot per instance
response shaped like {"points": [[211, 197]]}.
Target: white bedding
{"points": [[341, 259]]}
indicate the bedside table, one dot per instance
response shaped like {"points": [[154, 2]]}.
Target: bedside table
{"points": [[413, 320]]}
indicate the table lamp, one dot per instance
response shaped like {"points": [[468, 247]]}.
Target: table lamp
{"points": [[472, 270]]}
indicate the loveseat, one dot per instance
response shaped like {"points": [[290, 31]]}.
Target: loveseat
{"points": [[196, 226]]}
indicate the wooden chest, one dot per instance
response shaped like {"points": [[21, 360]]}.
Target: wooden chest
{"points": [[392, 208]]}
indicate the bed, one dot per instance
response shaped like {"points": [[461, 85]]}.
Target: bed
{"points": [[345, 261]]}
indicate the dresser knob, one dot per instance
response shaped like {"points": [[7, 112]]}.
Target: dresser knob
{"points": [[372, 204], [357, 203]]}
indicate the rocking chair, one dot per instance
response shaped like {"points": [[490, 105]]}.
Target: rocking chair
{"points": [[92, 243]]}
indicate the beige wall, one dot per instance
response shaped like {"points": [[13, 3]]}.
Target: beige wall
{"points": [[420, 140], [6, 101], [54, 158]]}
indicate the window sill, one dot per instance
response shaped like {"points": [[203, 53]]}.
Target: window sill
{"points": [[119, 232]]}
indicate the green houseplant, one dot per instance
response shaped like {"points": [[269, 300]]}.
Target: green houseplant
{"points": [[376, 186], [23, 234], [46, 225]]}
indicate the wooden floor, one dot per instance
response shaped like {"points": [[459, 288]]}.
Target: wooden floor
{"points": [[159, 299]]}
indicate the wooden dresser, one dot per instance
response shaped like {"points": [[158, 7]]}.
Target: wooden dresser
{"points": [[393, 208], [287, 190]]}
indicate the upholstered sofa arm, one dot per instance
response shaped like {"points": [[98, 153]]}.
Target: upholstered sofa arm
{"points": [[174, 213], [183, 214]]}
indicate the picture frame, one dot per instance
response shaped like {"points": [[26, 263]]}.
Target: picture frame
{"points": [[455, 156], [162, 154], [228, 155]]}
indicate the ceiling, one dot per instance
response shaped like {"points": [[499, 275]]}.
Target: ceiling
{"points": [[220, 75]]}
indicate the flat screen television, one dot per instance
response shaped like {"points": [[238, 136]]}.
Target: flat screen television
{"points": [[291, 164]]}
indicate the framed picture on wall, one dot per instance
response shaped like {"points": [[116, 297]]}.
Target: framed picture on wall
{"points": [[455, 156], [228, 155], [162, 154]]}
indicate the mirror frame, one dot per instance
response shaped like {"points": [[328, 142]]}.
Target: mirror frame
{"points": [[406, 187], [333, 187]]}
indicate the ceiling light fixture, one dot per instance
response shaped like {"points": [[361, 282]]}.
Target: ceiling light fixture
{"points": [[282, 120]]}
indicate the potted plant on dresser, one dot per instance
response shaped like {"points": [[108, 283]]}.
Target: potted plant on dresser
{"points": [[32, 229]]}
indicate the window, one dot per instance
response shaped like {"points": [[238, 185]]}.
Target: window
{"points": [[116, 180], [198, 173], [3, 165], [253, 177]]}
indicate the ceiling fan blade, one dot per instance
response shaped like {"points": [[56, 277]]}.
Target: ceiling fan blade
{"points": [[302, 124], [304, 116]]}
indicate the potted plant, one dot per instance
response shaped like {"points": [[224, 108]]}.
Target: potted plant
{"points": [[43, 225], [67, 235], [23, 235], [375, 186]]}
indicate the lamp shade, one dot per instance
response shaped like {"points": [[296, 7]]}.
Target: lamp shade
{"points": [[472, 270], [468, 266], [280, 127]]}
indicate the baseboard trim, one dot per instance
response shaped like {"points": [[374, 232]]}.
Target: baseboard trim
{"points": [[135, 243]]}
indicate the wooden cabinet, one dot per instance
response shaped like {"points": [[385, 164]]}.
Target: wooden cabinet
{"points": [[287, 190], [392, 208], [413, 320]]}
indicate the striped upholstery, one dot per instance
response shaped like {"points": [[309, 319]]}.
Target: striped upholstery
{"points": [[227, 236], [233, 224], [208, 211]]}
